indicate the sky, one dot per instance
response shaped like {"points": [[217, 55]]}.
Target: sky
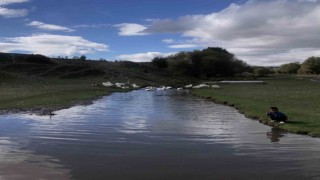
{"points": [[259, 32]]}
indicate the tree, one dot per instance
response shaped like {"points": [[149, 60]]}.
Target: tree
{"points": [[261, 71], [196, 59], [209, 62], [160, 62], [83, 57], [239, 66], [180, 67], [310, 66], [180, 64], [290, 68], [36, 58], [215, 61]]}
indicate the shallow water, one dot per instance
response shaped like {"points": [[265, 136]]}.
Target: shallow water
{"points": [[152, 135]]}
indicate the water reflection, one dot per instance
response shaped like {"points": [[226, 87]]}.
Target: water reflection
{"points": [[17, 163], [155, 136], [275, 134]]}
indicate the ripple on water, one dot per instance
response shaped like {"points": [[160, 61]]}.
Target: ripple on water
{"points": [[157, 134]]}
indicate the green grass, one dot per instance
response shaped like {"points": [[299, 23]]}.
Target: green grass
{"points": [[55, 93], [27, 86], [297, 97]]}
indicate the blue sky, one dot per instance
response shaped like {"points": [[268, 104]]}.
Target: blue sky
{"points": [[261, 32]]}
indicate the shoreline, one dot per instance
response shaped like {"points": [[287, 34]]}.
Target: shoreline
{"points": [[47, 111], [255, 118]]}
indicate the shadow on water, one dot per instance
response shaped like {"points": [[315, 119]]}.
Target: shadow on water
{"points": [[152, 135], [275, 134]]}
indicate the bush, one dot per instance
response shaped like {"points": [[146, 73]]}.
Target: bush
{"points": [[310, 66], [290, 68], [261, 71], [160, 62], [36, 59]]}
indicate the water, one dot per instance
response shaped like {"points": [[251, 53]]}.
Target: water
{"points": [[152, 135]]}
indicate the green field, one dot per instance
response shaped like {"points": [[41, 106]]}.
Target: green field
{"points": [[298, 97], [48, 94]]}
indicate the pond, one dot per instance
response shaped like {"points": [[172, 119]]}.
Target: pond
{"points": [[152, 135]]}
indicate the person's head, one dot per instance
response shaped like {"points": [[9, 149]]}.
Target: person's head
{"points": [[274, 109]]}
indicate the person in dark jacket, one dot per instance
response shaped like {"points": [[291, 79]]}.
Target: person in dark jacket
{"points": [[275, 115]]}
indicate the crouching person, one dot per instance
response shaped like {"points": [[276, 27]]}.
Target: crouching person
{"points": [[275, 115]]}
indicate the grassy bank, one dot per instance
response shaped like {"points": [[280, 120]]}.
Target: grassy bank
{"points": [[297, 97], [49, 94], [30, 83]]}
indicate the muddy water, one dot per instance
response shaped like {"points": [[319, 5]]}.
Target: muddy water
{"points": [[152, 135]]}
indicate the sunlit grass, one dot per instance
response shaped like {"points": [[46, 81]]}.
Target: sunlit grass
{"points": [[18, 94], [299, 98]]}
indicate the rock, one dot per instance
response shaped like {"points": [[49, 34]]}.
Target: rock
{"points": [[107, 84], [135, 86], [215, 86], [200, 86]]}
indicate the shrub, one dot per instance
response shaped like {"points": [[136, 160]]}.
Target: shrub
{"points": [[160, 62]]}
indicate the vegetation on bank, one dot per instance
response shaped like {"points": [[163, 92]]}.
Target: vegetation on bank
{"points": [[309, 66], [18, 94], [208, 63], [29, 82], [296, 96]]}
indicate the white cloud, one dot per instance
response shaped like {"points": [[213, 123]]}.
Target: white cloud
{"points": [[92, 26], [260, 32], [49, 44], [7, 2], [168, 41], [9, 13], [183, 46], [130, 29], [143, 57], [308, 0], [151, 20], [49, 27]]}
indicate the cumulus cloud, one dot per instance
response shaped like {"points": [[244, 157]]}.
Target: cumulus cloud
{"points": [[259, 32], [49, 27], [9, 13], [49, 44], [143, 57], [130, 29], [183, 46]]}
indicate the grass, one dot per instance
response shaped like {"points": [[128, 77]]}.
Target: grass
{"points": [[31, 88], [298, 97], [63, 83], [24, 94]]}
